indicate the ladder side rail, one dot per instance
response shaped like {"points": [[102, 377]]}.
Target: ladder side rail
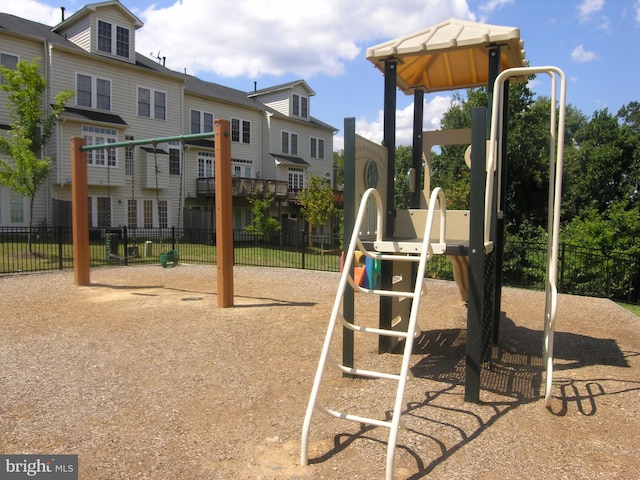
{"points": [[437, 196], [335, 312]]}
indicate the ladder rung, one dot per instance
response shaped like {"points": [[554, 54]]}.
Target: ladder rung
{"points": [[376, 331], [380, 292], [365, 373], [354, 418]]}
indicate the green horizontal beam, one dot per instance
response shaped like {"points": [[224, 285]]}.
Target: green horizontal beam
{"points": [[149, 141]]}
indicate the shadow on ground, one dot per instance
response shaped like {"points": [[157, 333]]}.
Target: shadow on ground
{"points": [[514, 377]]}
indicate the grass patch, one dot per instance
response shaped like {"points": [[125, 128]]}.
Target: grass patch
{"points": [[635, 309]]}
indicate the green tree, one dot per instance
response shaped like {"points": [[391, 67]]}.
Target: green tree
{"points": [[317, 203], [404, 155], [263, 225], [338, 164], [526, 161], [604, 168], [25, 168]]}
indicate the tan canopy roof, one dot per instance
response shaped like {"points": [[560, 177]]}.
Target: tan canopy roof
{"points": [[450, 55]]}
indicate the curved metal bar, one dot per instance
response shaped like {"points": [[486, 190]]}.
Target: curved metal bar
{"points": [[555, 193]]}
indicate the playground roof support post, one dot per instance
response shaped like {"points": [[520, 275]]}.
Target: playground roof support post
{"points": [[476, 256], [389, 142], [348, 301], [482, 298], [416, 159]]}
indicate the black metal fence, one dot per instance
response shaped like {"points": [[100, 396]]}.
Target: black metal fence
{"points": [[580, 271], [52, 249]]}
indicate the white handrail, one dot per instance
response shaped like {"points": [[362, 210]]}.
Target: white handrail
{"points": [[555, 193]]}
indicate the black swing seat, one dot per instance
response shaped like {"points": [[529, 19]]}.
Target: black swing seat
{"points": [[132, 252]]}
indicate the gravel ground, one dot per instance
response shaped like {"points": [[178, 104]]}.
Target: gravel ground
{"points": [[143, 377]]}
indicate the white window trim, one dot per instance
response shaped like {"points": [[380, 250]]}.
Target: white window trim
{"points": [[110, 137], [202, 114], [290, 143], [241, 124], [243, 164], [317, 152], [298, 172], [114, 39], [152, 105], [2, 52], [300, 101], [94, 91], [204, 158]]}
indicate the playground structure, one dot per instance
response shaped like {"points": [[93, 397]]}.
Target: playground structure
{"points": [[451, 55], [223, 201]]}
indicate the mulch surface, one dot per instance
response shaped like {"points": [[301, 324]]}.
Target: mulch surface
{"points": [[144, 377]]}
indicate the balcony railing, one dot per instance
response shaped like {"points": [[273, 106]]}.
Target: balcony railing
{"points": [[243, 187]]}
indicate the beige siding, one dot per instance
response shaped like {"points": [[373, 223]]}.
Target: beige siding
{"points": [[279, 101], [124, 86], [80, 34], [24, 50]]}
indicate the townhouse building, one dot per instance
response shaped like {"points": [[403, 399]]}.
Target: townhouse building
{"points": [[121, 95]]}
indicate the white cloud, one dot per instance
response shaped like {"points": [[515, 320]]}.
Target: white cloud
{"points": [[278, 37], [589, 13], [34, 11], [581, 55], [433, 111], [490, 6], [587, 8], [637, 9]]}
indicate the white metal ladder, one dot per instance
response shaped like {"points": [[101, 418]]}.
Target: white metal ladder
{"points": [[425, 252]]}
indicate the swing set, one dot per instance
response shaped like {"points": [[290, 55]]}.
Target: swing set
{"points": [[223, 201], [167, 259]]}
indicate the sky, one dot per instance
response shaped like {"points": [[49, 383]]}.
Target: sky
{"points": [[269, 42]]}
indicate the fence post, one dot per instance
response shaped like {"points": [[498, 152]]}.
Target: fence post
{"points": [[635, 284], [60, 265], [125, 241], [304, 246], [561, 282], [173, 238]]}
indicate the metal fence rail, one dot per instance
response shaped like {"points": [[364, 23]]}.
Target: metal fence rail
{"points": [[581, 271]]}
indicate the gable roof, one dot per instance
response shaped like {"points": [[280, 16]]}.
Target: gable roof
{"points": [[196, 86], [450, 55], [284, 86], [92, 7], [34, 30]]}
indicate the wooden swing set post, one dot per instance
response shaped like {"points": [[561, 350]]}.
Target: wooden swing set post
{"points": [[80, 212], [224, 213]]}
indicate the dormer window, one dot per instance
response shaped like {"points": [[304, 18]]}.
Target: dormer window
{"points": [[112, 40], [300, 106]]}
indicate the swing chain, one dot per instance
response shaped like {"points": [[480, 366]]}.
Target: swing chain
{"points": [[155, 162]]}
